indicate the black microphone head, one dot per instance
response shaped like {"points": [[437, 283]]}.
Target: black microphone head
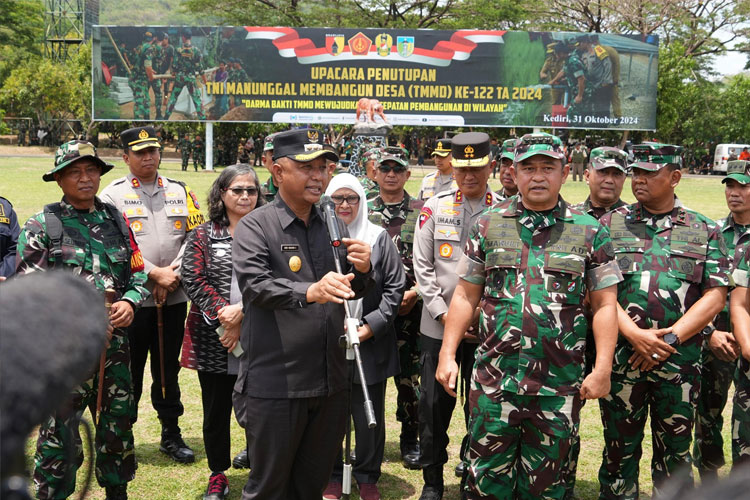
{"points": [[54, 327], [326, 202]]}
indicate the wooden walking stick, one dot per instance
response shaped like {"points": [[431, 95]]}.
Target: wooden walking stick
{"points": [[160, 325], [109, 298]]}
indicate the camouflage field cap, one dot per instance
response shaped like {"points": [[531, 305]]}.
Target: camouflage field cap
{"points": [[73, 151], [606, 157], [539, 144], [138, 138], [442, 147], [370, 155], [653, 156], [738, 170], [395, 154], [471, 149], [508, 149], [301, 145], [268, 142]]}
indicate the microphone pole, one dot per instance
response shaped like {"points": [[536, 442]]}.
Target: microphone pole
{"points": [[350, 340]]}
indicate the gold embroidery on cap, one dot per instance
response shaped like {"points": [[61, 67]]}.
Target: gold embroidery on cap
{"points": [[143, 134], [312, 135], [469, 151]]}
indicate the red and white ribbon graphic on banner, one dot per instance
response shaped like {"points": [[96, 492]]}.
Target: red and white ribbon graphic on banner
{"points": [[458, 48]]}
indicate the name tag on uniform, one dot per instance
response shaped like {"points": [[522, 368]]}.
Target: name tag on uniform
{"points": [[290, 248]]}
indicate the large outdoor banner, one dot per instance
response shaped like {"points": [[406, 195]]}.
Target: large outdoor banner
{"points": [[402, 77]]}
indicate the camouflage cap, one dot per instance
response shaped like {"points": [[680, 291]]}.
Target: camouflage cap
{"points": [[442, 147], [73, 151], [653, 156], [396, 154], [507, 151], [470, 149], [738, 170], [606, 157], [371, 154], [539, 144], [268, 142]]}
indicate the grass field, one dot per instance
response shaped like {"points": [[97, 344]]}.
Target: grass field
{"points": [[159, 478]]}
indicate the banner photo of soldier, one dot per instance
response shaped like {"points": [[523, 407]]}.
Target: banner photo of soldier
{"points": [[456, 78]]}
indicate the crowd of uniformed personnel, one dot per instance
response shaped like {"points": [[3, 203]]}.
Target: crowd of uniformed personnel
{"points": [[525, 303]]}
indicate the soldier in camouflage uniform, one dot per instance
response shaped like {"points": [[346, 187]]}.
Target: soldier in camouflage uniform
{"points": [[185, 146], [157, 58], [599, 74], [199, 153], [573, 76], [141, 77], [85, 236], [504, 161], [397, 212], [368, 163], [187, 64], [740, 316], [268, 189], [441, 231], [605, 176], [167, 56], [676, 276], [442, 179], [720, 348], [529, 263], [237, 75]]}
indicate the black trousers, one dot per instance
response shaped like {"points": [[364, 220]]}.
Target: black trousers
{"points": [[435, 405], [370, 443], [293, 444], [143, 334], [216, 396]]}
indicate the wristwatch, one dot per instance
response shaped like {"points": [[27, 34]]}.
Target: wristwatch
{"points": [[671, 339], [706, 332]]}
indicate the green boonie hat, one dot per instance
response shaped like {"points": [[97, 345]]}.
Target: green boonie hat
{"points": [[653, 156], [138, 138], [442, 147], [268, 142], [539, 144], [739, 171], [73, 151], [606, 157], [508, 149], [471, 149]]}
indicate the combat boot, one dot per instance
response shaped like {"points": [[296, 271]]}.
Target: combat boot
{"points": [[172, 444], [119, 492], [433, 483], [410, 447]]}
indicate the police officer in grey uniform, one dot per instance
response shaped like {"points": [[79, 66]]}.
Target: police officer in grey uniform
{"points": [[161, 212], [441, 179], [442, 229]]}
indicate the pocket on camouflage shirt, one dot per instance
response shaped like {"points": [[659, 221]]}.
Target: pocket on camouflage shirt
{"points": [[563, 277]]}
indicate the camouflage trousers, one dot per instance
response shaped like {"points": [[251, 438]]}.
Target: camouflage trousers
{"points": [[141, 99], [156, 86], [741, 415], [407, 380], [181, 81], [115, 462], [670, 399], [518, 443], [185, 159], [199, 158], [716, 377], [577, 112]]}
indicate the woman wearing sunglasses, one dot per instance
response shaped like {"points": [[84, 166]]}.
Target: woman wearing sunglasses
{"points": [[212, 331], [377, 335]]}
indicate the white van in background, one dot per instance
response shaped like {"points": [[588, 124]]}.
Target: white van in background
{"points": [[726, 152]]}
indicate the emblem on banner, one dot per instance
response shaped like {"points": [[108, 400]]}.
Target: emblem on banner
{"points": [[405, 45], [334, 44], [359, 44], [383, 44]]}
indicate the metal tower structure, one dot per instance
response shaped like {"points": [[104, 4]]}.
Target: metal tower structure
{"points": [[67, 23]]}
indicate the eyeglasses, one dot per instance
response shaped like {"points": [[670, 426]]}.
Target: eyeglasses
{"points": [[237, 191], [351, 199], [397, 169]]}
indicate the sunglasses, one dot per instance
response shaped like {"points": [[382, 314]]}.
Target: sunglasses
{"points": [[397, 169], [351, 199], [237, 191]]}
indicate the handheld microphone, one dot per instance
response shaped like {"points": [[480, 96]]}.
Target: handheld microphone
{"points": [[329, 213]]}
